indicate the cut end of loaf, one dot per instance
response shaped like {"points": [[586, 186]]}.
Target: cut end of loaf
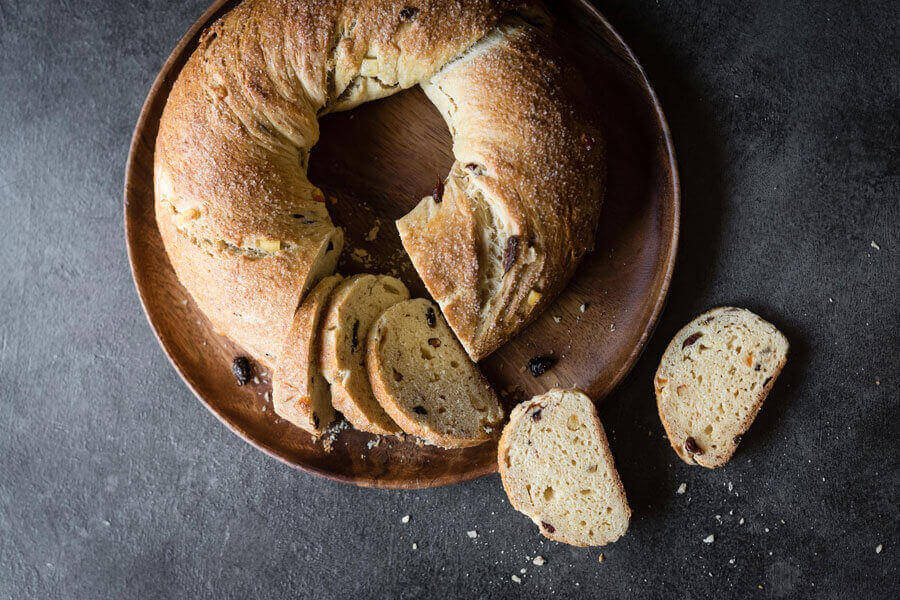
{"points": [[556, 468], [713, 379]]}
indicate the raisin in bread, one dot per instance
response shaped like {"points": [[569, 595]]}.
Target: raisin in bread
{"points": [[299, 391], [425, 381], [713, 379], [557, 469], [354, 306]]}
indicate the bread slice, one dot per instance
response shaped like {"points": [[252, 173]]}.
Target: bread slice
{"points": [[713, 379], [556, 468], [354, 306], [425, 381], [299, 391]]}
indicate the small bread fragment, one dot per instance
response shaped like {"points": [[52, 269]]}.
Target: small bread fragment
{"points": [[713, 379], [354, 306], [425, 381], [299, 391], [557, 469]]}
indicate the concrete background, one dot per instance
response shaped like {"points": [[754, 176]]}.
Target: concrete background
{"points": [[116, 483]]}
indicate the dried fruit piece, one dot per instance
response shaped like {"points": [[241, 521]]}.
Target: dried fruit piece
{"points": [[536, 415], [690, 444], [430, 317], [550, 528], [691, 339], [438, 193], [398, 376], [737, 439], [354, 336], [420, 410], [315, 419], [242, 369], [434, 342], [408, 13], [511, 253], [539, 365]]}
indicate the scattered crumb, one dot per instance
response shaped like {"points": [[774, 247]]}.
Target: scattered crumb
{"points": [[472, 534], [539, 560], [612, 326], [523, 570], [731, 562], [583, 306], [600, 558], [557, 318], [741, 522], [709, 539], [331, 434], [373, 443], [874, 245], [681, 488], [730, 487], [415, 546], [264, 407], [373, 233], [517, 579], [405, 519], [879, 548], [766, 530], [256, 380]]}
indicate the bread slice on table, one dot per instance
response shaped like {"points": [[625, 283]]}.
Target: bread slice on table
{"points": [[425, 381], [354, 306], [557, 469], [299, 391], [713, 379]]}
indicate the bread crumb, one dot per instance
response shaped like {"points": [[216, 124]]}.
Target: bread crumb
{"points": [[879, 548], [681, 488], [600, 558], [472, 534], [583, 306], [730, 487], [373, 443], [557, 318], [741, 522], [539, 561], [405, 519], [874, 245], [731, 562], [709, 539], [766, 530], [523, 570], [612, 326], [517, 579], [415, 546]]}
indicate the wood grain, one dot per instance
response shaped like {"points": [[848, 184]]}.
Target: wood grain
{"points": [[377, 162]]}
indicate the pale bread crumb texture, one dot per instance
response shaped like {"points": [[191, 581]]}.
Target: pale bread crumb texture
{"points": [[354, 306], [425, 381], [556, 468], [713, 379]]}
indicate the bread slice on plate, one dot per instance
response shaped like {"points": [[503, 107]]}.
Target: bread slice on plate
{"points": [[425, 381], [713, 379], [354, 306], [299, 391], [557, 469]]}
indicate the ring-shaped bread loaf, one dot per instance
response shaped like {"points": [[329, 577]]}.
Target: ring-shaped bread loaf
{"points": [[248, 234]]}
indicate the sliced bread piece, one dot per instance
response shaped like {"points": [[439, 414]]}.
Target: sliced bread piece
{"points": [[354, 306], [557, 469], [299, 391], [713, 379], [425, 381]]}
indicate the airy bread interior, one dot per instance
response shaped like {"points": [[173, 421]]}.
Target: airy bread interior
{"points": [[556, 467], [713, 379], [425, 381]]}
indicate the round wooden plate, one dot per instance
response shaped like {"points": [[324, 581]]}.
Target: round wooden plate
{"points": [[378, 161]]}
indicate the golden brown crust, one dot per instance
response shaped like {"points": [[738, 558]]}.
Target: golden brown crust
{"points": [[247, 233], [299, 392], [243, 226], [528, 178]]}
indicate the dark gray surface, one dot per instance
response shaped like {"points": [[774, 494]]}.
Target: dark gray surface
{"points": [[116, 483]]}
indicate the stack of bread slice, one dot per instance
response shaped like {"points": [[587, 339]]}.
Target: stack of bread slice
{"points": [[391, 365]]}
